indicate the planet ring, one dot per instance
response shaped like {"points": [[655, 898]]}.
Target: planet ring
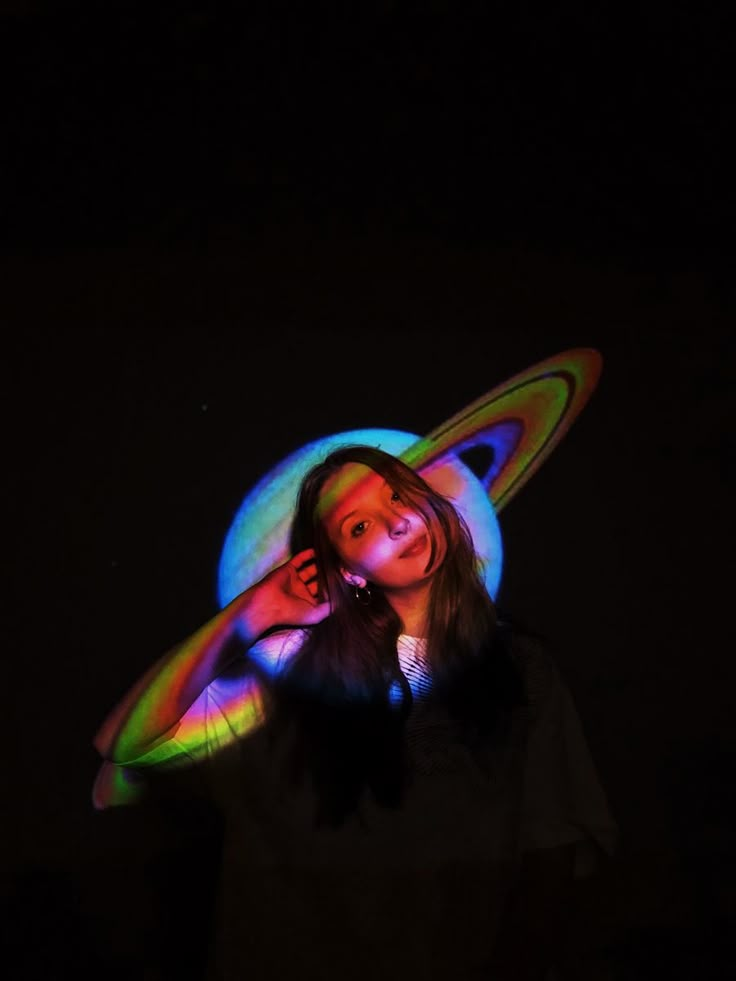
{"points": [[518, 424]]}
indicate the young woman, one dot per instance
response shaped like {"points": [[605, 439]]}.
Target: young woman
{"points": [[403, 780]]}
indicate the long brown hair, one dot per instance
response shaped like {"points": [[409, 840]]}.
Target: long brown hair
{"points": [[342, 675]]}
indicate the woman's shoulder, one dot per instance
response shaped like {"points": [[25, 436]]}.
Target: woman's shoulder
{"points": [[535, 661], [273, 652]]}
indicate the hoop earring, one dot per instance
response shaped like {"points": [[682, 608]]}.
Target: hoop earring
{"points": [[363, 596]]}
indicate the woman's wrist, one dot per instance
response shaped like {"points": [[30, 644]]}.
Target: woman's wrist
{"points": [[253, 614]]}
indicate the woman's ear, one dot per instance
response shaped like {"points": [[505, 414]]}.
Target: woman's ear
{"points": [[353, 580]]}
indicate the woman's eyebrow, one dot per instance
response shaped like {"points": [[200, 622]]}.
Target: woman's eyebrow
{"points": [[342, 520]]}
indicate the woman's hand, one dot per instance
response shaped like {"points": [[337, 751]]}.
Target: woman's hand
{"points": [[289, 596]]}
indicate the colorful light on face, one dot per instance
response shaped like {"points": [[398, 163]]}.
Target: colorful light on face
{"points": [[520, 422], [258, 538]]}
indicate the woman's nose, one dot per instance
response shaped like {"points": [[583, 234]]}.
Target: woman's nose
{"points": [[398, 525]]}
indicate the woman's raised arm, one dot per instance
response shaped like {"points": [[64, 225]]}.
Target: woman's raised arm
{"points": [[152, 708]]}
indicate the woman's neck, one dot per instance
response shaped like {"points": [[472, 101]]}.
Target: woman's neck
{"points": [[412, 607]]}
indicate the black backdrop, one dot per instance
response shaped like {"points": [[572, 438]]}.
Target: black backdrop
{"points": [[225, 234]]}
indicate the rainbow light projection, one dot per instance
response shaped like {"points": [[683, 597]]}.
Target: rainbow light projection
{"points": [[258, 538], [230, 708], [520, 421], [117, 785]]}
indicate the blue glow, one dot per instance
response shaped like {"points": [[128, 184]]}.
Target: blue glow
{"points": [[258, 538]]}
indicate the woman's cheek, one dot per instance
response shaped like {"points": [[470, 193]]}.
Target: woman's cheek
{"points": [[374, 557]]}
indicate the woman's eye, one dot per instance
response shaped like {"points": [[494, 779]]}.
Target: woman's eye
{"points": [[357, 530], [396, 497]]}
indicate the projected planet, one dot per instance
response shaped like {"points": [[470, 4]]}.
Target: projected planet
{"points": [[512, 428], [509, 432]]}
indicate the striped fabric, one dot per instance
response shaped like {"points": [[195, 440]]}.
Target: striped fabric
{"points": [[432, 745], [412, 661]]}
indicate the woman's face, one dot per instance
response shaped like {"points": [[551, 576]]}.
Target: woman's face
{"points": [[377, 536]]}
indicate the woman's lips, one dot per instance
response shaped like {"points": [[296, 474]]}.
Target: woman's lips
{"points": [[416, 548]]}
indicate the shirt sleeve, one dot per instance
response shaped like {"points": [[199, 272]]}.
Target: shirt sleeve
{"points": [[228, 709], [563, 799]]}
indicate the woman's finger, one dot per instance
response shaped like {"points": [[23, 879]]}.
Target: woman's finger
{"points": [[307, 572], [301, 558]]}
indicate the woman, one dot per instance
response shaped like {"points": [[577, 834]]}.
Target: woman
{"points": [[392, 762]]}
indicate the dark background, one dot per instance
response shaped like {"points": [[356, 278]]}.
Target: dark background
{"points": [[225, 232]]}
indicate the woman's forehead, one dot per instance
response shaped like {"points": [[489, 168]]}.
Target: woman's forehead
{"points": [[346, 489]]}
